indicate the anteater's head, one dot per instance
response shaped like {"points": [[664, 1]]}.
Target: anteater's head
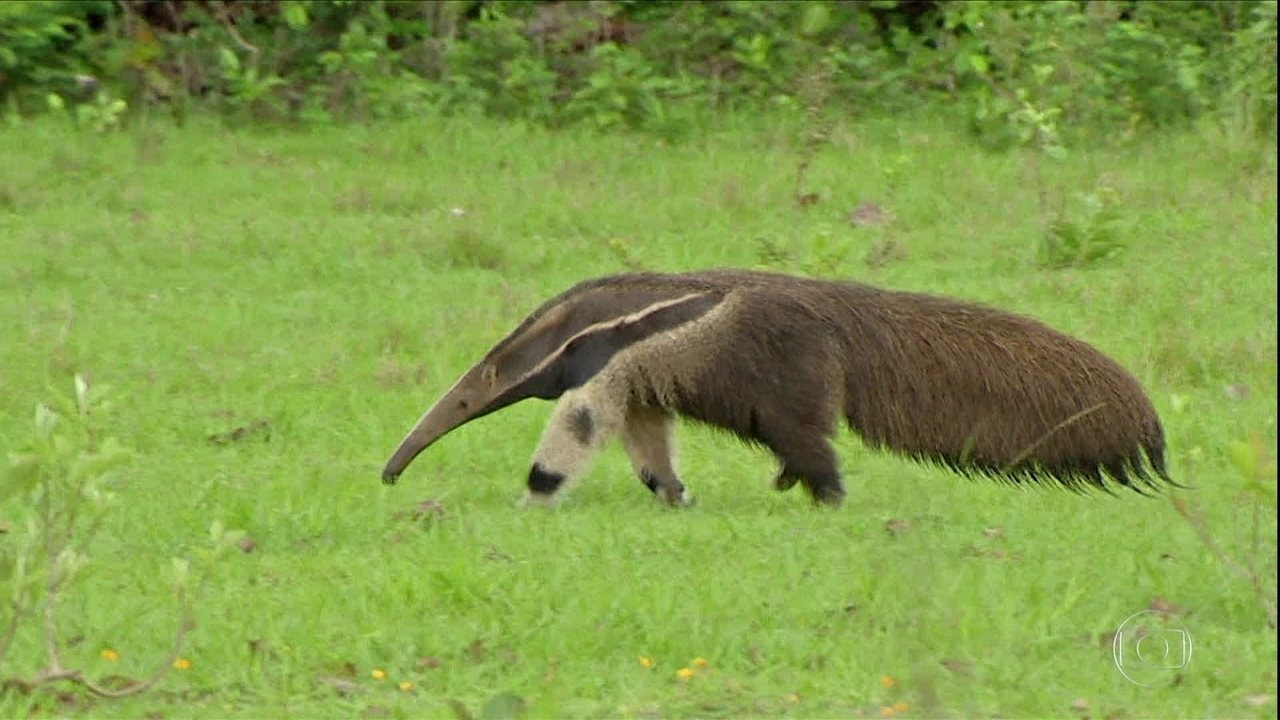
{"points": [[560, 346]]}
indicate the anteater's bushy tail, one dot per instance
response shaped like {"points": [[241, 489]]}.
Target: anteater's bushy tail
{"points": [[989, 393]]}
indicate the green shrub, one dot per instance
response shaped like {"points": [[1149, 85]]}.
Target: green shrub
{"points": [[44, 48], [57, 489], [1107, 69], [1091, 236]]}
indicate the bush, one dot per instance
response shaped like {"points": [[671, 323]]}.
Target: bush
{"points": [[1106, 69], [44, 47]]}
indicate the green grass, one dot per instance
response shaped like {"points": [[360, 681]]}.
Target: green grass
{"points": [[322, 282]]}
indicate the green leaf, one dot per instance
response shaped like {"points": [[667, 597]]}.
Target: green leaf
{"points": [[296, 15], [22, 475], [70, 562], [816, 19], [504, 706], [460, 711], [1057, 152], [230, 63], [181, 570], [82, 394], [1257, 487], [46, 420], [108, 457], [1245, 457], [979, 63], [233, 537], [61, 446]]}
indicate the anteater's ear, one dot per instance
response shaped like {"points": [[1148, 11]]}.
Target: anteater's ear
{"points": [[586, 354]]}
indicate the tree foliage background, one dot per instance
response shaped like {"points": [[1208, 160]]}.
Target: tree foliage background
{"points": [[1105, 67]]}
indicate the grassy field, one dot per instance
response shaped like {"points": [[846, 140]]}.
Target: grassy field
{"points": [[321, 288]]}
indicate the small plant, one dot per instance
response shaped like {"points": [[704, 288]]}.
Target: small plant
{"points": [[626, 91], [101, 115], [503, 706], [825, 254], [828, 254], [624, 252], [248, 89], [468, 248], [1086, 240], [771, 255], [57, 492], [1257, 469], [814, 93], [498, 71]]}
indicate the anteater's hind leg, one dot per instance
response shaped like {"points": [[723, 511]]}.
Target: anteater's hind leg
{"points": [[814, 465], [649, 440], [584, 420], [812, 462], [784, 482], [797, 427]]}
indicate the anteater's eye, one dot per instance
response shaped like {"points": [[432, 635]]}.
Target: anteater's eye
{"points": [[463, 404]]}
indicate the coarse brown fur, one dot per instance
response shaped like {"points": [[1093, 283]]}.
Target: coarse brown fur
{"points": [[779, 360]]}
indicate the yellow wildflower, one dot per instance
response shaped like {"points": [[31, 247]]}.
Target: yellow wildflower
{"points": [[685, 673], [182, 664], [888, 681], [109, 655], [887, 711], [793, 697], [701, 662], [901, 707], [406, 686], [646, 661], [378, 674]]}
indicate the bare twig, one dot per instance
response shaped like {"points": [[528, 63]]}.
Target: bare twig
{"points": [[126, 11], [6, 638], [814, 91], [51, 621], [185, 624], [1197, 524], [55, 673], [42, 678], [184, 66], [53, 583], [1043, 438], [225, 17], [58, 519]]}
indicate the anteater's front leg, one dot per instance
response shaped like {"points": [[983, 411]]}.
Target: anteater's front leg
{"points": [[585, 419], [649, 440]]}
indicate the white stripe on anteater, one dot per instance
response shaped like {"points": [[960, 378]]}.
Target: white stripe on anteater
{"points": [[632, 395]]}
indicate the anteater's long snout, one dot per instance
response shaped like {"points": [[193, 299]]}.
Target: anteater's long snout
{"points": [[469, 399], [449, 412]]}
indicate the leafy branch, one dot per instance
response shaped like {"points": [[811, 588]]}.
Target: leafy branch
{"points": [[1259, 474], [59, 484]]}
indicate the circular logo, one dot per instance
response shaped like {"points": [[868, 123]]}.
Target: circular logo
{"points": [[1149, 649]]}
